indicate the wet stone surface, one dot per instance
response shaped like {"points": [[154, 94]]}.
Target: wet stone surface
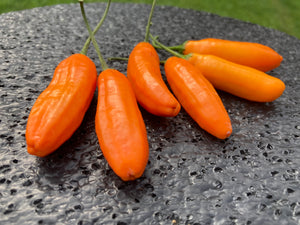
{"points": [[191, 178]]}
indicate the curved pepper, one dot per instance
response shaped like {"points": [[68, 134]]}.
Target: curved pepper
{"points": [[239, 80], [143, 71], [60, 108], [250, 54], [198, 97]]}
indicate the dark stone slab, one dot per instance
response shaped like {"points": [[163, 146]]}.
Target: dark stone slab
{"points": [[192, 178]]}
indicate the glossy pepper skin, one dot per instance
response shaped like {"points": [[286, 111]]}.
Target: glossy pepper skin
{"points": [[198, 97], [60, 108], [239, 80], [143, 72], [254, 55], [120, 127]]}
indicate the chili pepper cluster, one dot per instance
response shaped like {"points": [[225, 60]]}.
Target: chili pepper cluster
{"points": [[193, 73]]}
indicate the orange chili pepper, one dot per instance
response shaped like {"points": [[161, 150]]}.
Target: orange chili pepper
{"points": [[239, 80], [120, 127], [250, 54], [60, 108], [119, 124], [143, 71], [198, 97]]}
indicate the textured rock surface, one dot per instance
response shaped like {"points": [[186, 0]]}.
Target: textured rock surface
{"points": [[192, 178]]}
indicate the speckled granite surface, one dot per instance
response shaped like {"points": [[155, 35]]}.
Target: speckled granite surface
{"points": [[191, 178]]}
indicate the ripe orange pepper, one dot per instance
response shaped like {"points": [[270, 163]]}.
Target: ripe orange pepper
{"points": [[60, 108], [250, 54], [143, 71], [120, 127], [119, 124], [239, 80], [198, 97]]}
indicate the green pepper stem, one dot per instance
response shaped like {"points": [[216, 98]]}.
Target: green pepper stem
{"points": [[88, 41], [149, 21], [102, 61], [117, 58], [178, 48], [157, 44]]}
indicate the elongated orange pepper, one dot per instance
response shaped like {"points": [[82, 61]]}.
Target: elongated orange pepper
{"points": [[143, 72], [60, 108], [198, 97], [119, 124], [250, 54], [239, 80], [120, 127]]}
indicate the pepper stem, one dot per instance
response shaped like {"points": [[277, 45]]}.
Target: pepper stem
{"points": [[88, 41], [149, 21], [117, 58], [102, 61], [178, 48], [157, 44]]}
